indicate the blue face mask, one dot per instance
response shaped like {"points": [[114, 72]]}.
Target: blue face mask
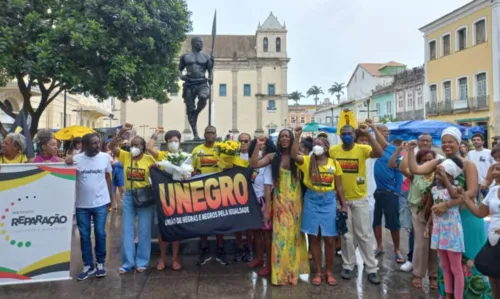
{"points": [[347, 139]]}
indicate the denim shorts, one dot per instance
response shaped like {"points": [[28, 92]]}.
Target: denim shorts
{"points": [[320, 211], [387, 204], [118, 179]]}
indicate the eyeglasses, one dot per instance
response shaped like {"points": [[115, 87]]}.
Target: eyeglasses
{"points": [[244, 141]]}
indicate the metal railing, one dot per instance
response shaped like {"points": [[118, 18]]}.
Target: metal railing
{"points": [[458, 105]]}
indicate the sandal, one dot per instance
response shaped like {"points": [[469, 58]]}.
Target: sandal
{"points": [[161, 265], [316, 281], [141, 269], [123, 271], [417, 282], [330, 280], [400, 259], [176, 265], [434, 283], [264, 271], [379, 252]]}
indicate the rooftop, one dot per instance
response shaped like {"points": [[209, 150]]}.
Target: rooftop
{"points": [[226, 46]]}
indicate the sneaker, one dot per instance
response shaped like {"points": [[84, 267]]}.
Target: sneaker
{"points": [[373, 278], [406, 267], [87, 271], [248, 255], [240, 255], [338, 252], [346, 274], [101, 271], [204, 257], [221, 257]]}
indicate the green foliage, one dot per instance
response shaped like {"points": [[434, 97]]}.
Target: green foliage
{"points": [[337, 89], [106, 48], [315, 91], [295, 96], [388, 119]]}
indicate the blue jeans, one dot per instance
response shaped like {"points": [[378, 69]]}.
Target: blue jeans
{"points": [[83, 218], [411, 242], [145, 219]]}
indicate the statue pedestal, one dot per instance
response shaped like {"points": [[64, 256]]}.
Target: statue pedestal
{"points": [[190, 246]]}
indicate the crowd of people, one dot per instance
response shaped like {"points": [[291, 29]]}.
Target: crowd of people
{"points": [[307, 189]]}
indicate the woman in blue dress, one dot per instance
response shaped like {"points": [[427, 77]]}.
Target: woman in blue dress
{"points": [[476, 285]]}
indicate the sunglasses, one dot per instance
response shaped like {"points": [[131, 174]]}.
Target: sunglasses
{"points": [[244, 141], [346, 134]]}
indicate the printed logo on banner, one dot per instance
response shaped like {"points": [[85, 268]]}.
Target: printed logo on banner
{"points": [[214, 204], [35, 225]]}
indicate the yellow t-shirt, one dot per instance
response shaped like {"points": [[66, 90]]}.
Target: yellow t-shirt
{"points": [[327, 173], [18, 159], [162, 155], [205, 159], [139, 172], [353, 165]]}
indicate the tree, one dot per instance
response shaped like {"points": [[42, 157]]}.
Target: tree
{"points": [[295, 96], [108, 48], [314, 91], [337, 89]]}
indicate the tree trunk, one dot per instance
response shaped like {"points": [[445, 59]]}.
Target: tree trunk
{"points": [[338, 98]]}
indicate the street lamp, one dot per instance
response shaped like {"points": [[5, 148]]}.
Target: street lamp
{"points": [[331, 119], [367, 104], [144, 130], [285, 123]]}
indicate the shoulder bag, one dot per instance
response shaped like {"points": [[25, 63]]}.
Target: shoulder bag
{"points": [[142, 197]]}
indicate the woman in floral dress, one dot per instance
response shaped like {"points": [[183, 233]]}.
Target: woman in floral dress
{"points": [[289, 256]]}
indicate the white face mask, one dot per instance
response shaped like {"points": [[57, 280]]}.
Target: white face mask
{"points": [[173, 146], [318, 150], [135, 151]]}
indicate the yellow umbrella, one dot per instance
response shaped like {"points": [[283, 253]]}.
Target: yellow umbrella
{"points": [[72, 132]]}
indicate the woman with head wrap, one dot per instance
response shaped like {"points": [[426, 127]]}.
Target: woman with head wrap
{"points": [[473, 227]]}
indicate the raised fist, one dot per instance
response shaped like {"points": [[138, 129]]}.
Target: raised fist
{"points": [[298, 130], [261, 140]]}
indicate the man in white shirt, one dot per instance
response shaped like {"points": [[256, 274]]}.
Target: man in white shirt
{"points": [[93, 194], [482, 158]]}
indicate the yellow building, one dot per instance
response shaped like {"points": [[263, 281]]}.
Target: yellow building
{"points": [[462, 68]]}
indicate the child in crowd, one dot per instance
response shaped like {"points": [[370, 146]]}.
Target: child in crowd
{"points": [[447, 235]]}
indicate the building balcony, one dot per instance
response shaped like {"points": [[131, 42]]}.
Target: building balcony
{"points": [[458, 106], [410, 115], [480, 103]]}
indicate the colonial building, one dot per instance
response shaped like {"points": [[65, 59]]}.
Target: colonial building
{"points": [[80, 110], [300, 115], [364, 80], [408, 88], [249, 90], [462, 56], [382, 103], [367, 76]]}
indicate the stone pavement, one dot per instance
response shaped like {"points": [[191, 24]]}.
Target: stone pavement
{"points": [[211, 280]]}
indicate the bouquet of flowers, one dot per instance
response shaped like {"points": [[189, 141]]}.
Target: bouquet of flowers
{"points": [[178, 164], [226, 153]]}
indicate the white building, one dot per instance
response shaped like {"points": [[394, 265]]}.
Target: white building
{"points": [[367, 76]]}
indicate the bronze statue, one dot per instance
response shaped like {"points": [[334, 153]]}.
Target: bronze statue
{"points": [[196, 84]]}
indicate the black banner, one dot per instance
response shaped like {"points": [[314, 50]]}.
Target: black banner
{"points": [[219, 203]]}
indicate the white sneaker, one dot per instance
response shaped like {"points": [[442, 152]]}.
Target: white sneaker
{"points": [[406, 267]]}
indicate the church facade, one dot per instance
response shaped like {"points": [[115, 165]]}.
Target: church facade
{"points": [[249, 92]]}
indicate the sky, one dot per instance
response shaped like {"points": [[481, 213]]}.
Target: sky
{"points": [[328, 38]]}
